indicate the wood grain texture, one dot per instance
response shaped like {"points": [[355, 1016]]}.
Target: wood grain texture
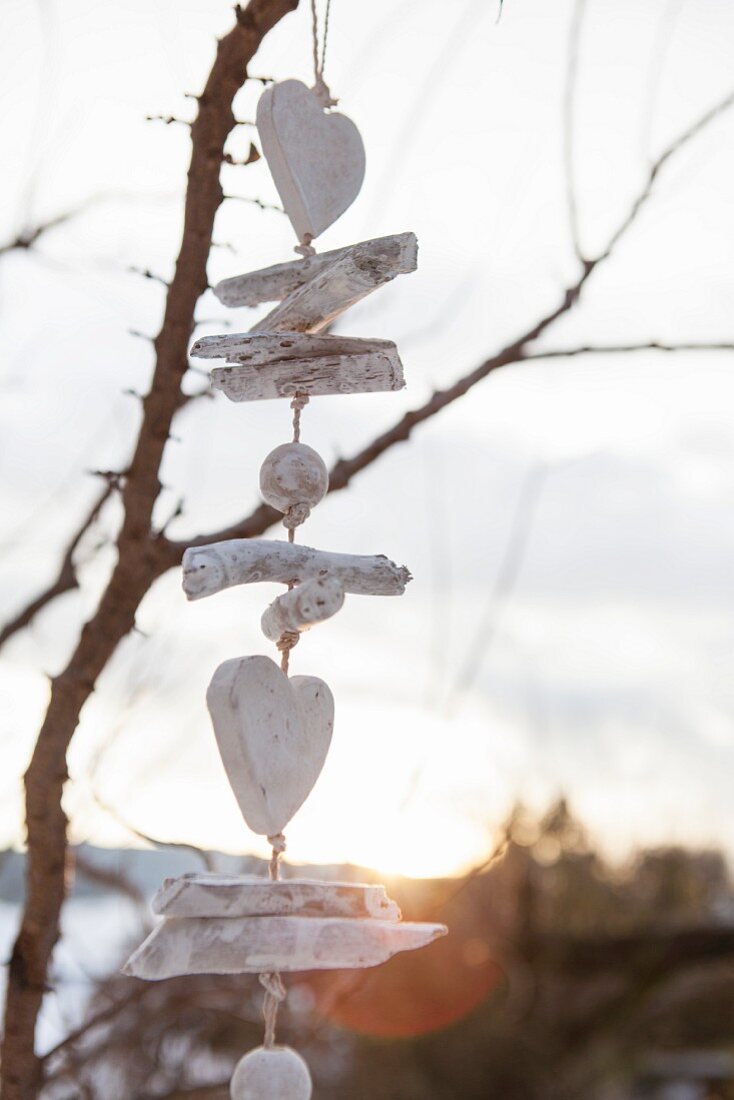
{"points": [[334, 288], [272, 284], [302, 607], [375, 372], [261, 348], [216, 895], [273, 734], [210, 569], [256, 945]]}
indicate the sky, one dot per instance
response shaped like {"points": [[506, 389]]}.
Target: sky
{"points": [[569, 523]]}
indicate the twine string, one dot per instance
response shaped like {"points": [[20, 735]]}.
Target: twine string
{"points": [[274, 994]]}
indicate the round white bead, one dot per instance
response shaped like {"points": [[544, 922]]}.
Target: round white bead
{"points": [[275, 1074], [293, 474]]}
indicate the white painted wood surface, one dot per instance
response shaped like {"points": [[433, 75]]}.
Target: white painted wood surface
{"points": [[253, 945], [273, 735], [217, 895], [333, 289], [293, 474], [316, 157], [309, 603], [262, 348], [219, 565], [272, 284], [375, 372], [274, 1073]]}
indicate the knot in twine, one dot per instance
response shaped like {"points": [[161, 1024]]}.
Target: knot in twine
{"points": [[274, 994], [296, 515], [322, 93], [277, 843], [305, 248]]}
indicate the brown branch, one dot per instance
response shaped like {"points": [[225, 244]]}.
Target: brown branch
{"points": [[139, 557], [101, 1017], [675, 146], [66, 578], [342, 473], [623, 349]]}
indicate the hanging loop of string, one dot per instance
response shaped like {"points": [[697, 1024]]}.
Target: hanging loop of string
{"points": [[321, 88]]}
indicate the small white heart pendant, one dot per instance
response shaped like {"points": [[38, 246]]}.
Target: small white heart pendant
{"points": [[316, 157], [273, 735]]}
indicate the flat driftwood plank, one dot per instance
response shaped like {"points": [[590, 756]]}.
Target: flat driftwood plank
{"points": [[375, 372], [261, 348], [272, 284], [254, 945], [334, 289], [213, 895], [312, 602], [220, 565]]}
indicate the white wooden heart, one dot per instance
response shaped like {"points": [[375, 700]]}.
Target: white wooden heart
{"points": [[273, 736], [316, 157]]}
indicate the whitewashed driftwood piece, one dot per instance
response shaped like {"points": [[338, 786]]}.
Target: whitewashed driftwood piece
{"points": [[252, 945], [334, 289], [271, 1073], [272, 284], [219, 565], [375, 372], [294, 476], [302, 607], [316, 157], [273, 734], [199, 894], [263, 348]]}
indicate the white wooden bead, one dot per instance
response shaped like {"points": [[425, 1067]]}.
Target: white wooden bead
{"points": [[275, 1074], [293, 474]]}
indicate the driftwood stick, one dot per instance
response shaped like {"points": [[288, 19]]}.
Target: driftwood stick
{"points": [[262, 348], [334, 289], [272, 284], [220, 565], [215, 895], [256, 945], [376, 372], [313, 602]]}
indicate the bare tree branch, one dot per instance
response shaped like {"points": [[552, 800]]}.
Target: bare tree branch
{"points": [[66, 578], [659, 163], [623, 349], [139, 557]]}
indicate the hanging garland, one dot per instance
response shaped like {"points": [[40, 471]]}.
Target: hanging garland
{"points": [[273, 730]]}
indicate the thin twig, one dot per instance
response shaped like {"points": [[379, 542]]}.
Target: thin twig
{"points": [[675, 146], [66, 579], [569, 118]]}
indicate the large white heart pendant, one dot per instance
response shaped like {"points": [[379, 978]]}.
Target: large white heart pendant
{"points": [[273, 735], [316, 157]]}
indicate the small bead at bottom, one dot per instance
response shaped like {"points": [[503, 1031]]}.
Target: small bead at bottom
{"points": [[275, 1074]]}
